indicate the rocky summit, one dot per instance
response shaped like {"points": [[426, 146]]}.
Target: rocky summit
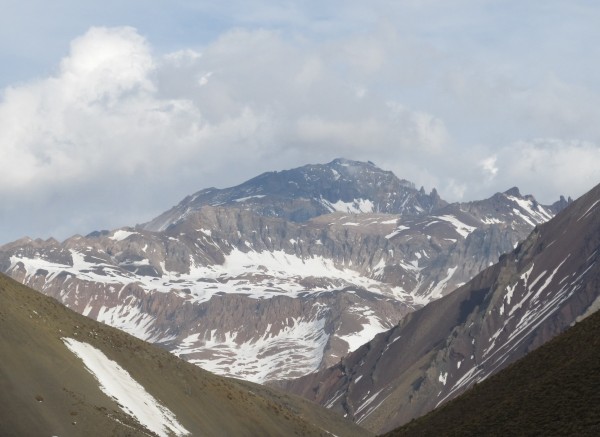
{"points": [[284, 274], [303, 193]]}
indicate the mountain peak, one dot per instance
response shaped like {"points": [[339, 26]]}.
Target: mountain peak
{"points": [[514, 191], [299, 194], [344, 162]]}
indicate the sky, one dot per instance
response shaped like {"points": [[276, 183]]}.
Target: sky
{"points": [[111, 112]]}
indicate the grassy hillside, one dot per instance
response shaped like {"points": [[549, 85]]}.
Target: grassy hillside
{"points": [[553, 391], [46, 390]]}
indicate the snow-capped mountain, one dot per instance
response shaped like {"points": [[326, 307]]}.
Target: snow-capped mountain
{"points": [[282, 275], [303, 193], [67, 375], [549, 282]]}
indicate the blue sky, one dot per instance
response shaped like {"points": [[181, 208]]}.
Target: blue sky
{"points": [[111, 112]]}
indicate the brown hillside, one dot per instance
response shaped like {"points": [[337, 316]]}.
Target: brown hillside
{"points": [[46, 390]]}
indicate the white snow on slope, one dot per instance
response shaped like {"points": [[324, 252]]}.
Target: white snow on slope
{"points": [[256, 274], [295, 350], [533, 312], [371, 326], [523, 217], [589, 209], [243, 199], [82, 269], [121, 235], [357, 206], [539, 214], [397, 231], [129, 317], [133, 398], [462, 229], [491, 220], [435, 290], [287, 351]]}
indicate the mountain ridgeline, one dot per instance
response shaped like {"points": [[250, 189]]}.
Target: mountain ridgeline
{"points": [[303, 193], [284, 274], [547, 283]]}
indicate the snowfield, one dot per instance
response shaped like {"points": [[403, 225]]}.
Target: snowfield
{"points": [[133, 399]]}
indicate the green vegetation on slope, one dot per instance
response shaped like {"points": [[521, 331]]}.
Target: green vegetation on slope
{"points": [[553, 391]]}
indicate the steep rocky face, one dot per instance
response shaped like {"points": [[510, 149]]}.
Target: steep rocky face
{"points": [[236, 289], [302, 193], [546, 284], [551, 391]]}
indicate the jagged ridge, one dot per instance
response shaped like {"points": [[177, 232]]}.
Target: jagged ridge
{"points": [[436, 353], [315, 289], [306, 192]]}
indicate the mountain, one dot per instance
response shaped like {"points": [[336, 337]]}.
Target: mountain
{"points": [[551, 391], [282, 283], [65, 374], [546, 284], [306, 192]]}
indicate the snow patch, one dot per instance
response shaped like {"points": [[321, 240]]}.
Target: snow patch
{"points": [[462, 229], [539, 216], [357, 206], [260, 358], [243, 199], [443, 377], [435, 292], [491, 220], [588, 210], [121, 235], [132, 397], [371, 326], [396, 231]]}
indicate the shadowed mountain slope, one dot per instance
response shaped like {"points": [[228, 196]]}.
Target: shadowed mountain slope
{"points": [[551, 391], [436, 353], [45, 388]]}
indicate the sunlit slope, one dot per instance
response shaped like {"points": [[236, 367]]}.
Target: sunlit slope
{"points": [[45, 389]]}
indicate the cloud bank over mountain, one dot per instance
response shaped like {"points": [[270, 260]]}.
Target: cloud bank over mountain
{"points": [[130, 120]]}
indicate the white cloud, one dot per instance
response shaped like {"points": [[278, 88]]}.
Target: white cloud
{"points": [[116, 115], [124, 131], [488, 166], [105, 111], [97, 116], [548, 166], [182, 57]]}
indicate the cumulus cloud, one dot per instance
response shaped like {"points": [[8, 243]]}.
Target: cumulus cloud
{"points": [[546, 166], [488, 165], [97, 115], [116, 115], [121, 132]]}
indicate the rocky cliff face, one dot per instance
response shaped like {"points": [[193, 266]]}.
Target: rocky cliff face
{"points": [[282, 275], [546, 284], [303, 193]]}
